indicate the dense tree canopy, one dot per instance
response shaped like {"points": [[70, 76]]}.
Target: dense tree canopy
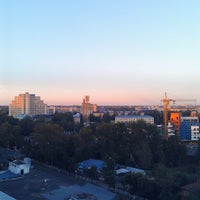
{"points": [[61, 143]]}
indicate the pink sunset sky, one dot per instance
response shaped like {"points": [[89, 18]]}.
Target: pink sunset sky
{"points": [[123, 52]]}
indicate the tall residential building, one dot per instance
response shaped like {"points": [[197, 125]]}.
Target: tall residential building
{"points": [[87, 108], [195, 132], [27, 104]]}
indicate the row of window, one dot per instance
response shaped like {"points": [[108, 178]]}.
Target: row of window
{"points": [[195, 129], [196, 137], [195, 133]]}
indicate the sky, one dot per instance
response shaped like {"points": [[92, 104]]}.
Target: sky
{"points": [[120, 52]]}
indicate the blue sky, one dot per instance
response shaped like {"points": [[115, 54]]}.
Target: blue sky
{"points": [[116, 51]]}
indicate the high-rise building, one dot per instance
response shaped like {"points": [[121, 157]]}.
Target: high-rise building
{"points": [[87, 108], [27, 104]]}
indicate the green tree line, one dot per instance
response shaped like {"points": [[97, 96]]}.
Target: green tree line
{"points": [[62, 143]]}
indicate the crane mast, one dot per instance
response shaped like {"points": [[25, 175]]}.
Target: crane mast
{"points": [[166, 102]]}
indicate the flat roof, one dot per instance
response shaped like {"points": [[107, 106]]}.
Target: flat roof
{"points": [[18, 162], [99, 164], [5, 196], [7, 175], [134, 116]]}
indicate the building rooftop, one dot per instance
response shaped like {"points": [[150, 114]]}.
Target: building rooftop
{"points": [[134, 116], [130, 169], [99, 164], [4, 196], [18, 162], [7, 175], [191, 187]]}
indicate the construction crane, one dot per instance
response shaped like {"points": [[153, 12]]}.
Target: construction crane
{"points": [[166, 103]]}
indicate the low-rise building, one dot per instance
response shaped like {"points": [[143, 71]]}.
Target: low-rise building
{"points": [[77, 118], [4, 196], [125, 170], [191, 191], [134, 118], [87, 164], [19, 166]]}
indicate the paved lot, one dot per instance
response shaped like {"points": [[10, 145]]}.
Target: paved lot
{"points": [[85, 192], [40, 180], [42, 184]]}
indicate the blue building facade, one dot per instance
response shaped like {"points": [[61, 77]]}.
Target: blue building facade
{"points": [[185, 129]]}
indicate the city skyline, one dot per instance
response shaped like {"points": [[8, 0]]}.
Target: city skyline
{"points": [[118, 52]]}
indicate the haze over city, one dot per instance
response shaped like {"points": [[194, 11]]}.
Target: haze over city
{"points": [[116, 51]]}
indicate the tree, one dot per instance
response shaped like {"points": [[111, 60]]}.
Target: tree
{"points": [[108, 118], [27, 126], [65, 120], [93, 118], [85, 144], [174, 151], [143, 155], [169, 190], [47, 143], [92, 172], [148, 188], [197, 155], [157, 115], [10, 135], [193, 195]]}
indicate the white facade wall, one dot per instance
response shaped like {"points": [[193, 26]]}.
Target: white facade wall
{"points": [[77, 118], [134, 118], [189, 119], [195, 133], [19, 167], [27, 104]]}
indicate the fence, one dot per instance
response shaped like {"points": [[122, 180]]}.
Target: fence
{"points": [[95, 182]]}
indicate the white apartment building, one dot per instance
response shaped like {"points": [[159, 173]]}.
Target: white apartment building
{"points": [[27, 104], [189, 119], [134, 118], [195, 134]]}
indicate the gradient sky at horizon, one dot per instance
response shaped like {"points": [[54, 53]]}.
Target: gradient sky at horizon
{"points": [[116, 51]]}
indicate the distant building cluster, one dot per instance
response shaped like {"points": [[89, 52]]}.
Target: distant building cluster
{"points": [[27, 105], [31, 105], [187, 128]]}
